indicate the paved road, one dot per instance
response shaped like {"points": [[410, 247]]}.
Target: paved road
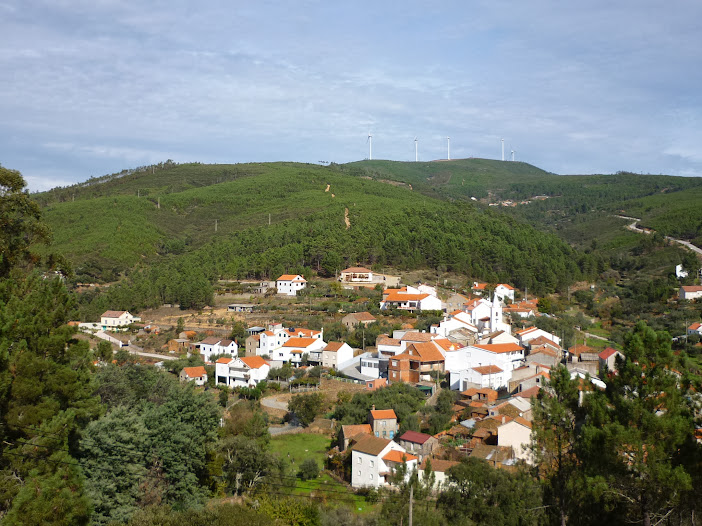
{"points": [[273, 403], [595, 336], [634, 227], [133, 349]]}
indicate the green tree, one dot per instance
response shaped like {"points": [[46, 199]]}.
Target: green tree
{"points": [[309, 469], [306, 407], [104, 351]]}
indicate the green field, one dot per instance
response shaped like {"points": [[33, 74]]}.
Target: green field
{"points": [[302, 446]]}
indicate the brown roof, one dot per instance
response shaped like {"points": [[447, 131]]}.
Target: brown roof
{"points": [[416, 336], [577, 350], [542, 340], [362, 316], [351, 431], [544, 350], [427, 351], [333, 346], [692, 288], [112, 313], [487, 369], [370, 445], [380, 414], [212, 340], [384, 339], [441, 466], [356, 270]]}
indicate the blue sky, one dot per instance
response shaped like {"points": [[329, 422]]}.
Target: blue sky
{"points": [[94, 86]]}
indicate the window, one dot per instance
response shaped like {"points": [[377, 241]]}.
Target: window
{"points": [[370, 476], [359, 472], [392, 433], [376, 433], [371, 463], [359, 460]]}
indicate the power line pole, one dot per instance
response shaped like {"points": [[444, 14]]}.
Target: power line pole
{"points": [[410, 503]]}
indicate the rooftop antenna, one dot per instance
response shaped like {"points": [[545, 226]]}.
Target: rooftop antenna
{"points": [[448, 148], [503, 149], [370, 146], [416, 155]]}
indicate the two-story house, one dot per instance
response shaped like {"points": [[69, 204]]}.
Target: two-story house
{"points": [[373, 460], [247, 371], [213, 345], [383, 422], [290, 284], [117, 320]]}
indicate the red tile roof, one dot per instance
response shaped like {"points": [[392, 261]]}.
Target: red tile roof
{"points": [[254, 362], [299, 342], [487, 369], [224, 359], [427, 352], [398, 456], [333, 346], [291, 277], [607, 353], [415, 437], [356, 270], [380, 414], [195, 372]]}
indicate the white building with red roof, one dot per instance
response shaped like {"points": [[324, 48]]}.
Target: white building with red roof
{"points": [[336, 353], [608, 358], [247, 371], [194, 374], [515, 433], [374, 459], [695, 328], [214, 345], [290, 284], [117, 320], [505, 356], [294, 348], [690, 292], [528, 334], [410, 299], [503, 290], [267, 342]]}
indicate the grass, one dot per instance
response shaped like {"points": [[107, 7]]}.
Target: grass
{"points": [[311, 445]]}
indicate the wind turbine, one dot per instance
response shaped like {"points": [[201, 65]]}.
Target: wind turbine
{"points": [[512, 155], [370, 146], [503, 149], [416, 155], [448, 148]]}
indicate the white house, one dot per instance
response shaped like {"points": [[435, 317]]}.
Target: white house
{"points": [[241, 372], [525, 335], [373, 459], [410, 299], [453, 322], [440, 469], [356, 275], [213, 346], [485, 376], [289, 284], [516, 434], [503, 291], [194, 374], [117, 320], [506, 356], [695, 328], [690, 292], [293, 349], [335, 353], [266, 342]]}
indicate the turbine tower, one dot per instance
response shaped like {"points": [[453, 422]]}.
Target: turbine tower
{"points": [[448, 148], [512, 155], [503, 149], [370, 146], [416, 154]]}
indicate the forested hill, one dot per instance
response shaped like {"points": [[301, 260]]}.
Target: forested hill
{"points": [[196, 223], [667, 204]]}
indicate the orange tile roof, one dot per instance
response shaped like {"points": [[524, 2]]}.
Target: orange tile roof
{"points": [[527, 330], [607, 353], [291, 277], [380, 414], [480, 286], [333, 346], [356, 270], [500, 348], [695, 326], [487, 369], [400, 297], [300, 342], [470, 392], [416, 336], [542, 340], [224, 359], [351, 431], [510, 287], [195, 372], [398, 456], [427, 352], [254, 362], [363, 316], [447, 344]]}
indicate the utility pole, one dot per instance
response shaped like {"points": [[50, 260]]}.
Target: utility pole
{"points": [[158, 203], [215, 225], [410, 503]]}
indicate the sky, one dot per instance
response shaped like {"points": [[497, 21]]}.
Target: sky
{"points": [[91, 87]]}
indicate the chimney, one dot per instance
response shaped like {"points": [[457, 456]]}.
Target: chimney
{"points": [[373, 407], [503, 419]]}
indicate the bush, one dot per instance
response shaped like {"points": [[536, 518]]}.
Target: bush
{"points": [[309, 469]]}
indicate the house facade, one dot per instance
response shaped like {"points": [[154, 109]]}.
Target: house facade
{"points": [[213, 346], [290, 284], [419, 444], [336, 353], [194, 374], [506, 356], [516, 434], [247, 371], [117, 320], [356, 275], [374, 459], [690, 292], [383, 422], [352, 320], [410, 299]]}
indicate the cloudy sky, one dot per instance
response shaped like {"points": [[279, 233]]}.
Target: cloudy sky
{"points": [[90, 87]]}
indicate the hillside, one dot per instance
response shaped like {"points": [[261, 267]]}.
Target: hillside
{"points": [[576, 204], [186, 224]]}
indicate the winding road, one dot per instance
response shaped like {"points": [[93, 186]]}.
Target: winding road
{"points": [[635, 228]]}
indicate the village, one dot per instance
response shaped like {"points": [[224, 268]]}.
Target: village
{"points": [[484, 350]]}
